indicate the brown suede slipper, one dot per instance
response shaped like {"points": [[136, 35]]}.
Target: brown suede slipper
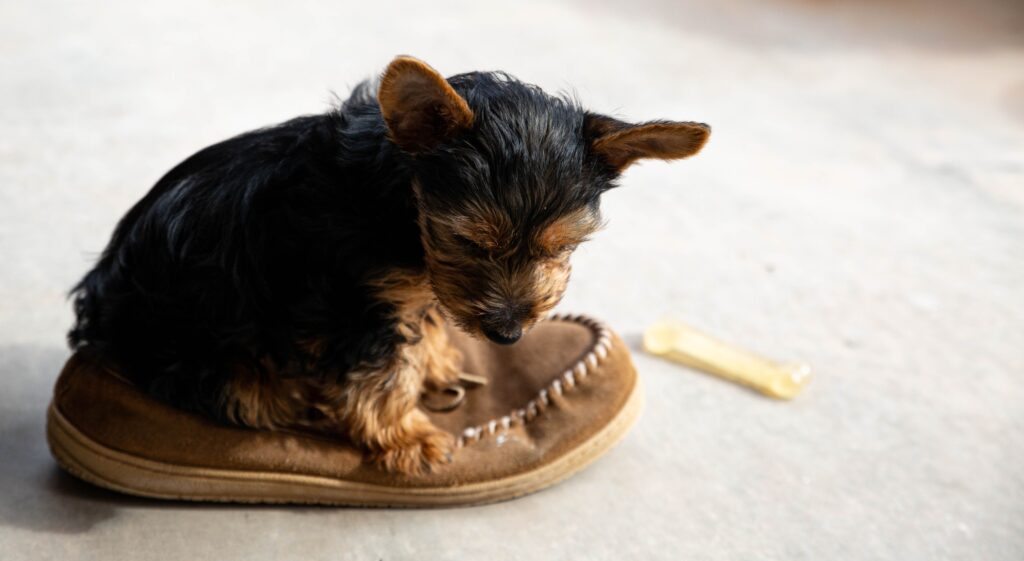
{"points": [[553, 403]]}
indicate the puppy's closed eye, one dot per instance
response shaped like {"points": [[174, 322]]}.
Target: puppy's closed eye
{"points": [[470, 245], [557, 251]]}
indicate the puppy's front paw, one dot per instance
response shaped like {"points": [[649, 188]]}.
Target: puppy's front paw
{"points": [[418, 452]]}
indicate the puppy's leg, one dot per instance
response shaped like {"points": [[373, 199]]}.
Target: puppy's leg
{"points": [[380, 413], [375, 408], [442, 362], [255, 395], [378, 407]]}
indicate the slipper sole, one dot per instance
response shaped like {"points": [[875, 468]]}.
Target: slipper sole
{"points": [[100, 465]]}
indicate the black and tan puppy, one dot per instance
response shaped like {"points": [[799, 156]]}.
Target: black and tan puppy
{"points": [[301, 275]]}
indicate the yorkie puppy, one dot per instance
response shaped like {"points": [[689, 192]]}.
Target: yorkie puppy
{"points": [[301, 276]]}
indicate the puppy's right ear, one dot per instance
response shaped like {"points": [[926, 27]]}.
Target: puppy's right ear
{"points": [[419, 107], [618, 144]]}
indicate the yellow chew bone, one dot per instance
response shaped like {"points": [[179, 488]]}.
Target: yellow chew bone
{"points": [[685, 345]]}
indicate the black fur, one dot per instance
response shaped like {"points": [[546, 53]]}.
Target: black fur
{"points": [[270, 238]]}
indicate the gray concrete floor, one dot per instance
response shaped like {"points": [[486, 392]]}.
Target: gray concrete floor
{"points": [[860, 207]]}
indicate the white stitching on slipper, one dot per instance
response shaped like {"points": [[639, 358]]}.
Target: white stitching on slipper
{"points": [[571, 378]]}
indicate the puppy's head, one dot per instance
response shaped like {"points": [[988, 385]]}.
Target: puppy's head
{"points": [[508, 182]]}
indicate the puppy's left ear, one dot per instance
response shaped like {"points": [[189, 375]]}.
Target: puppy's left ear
{"points": [[419, 107], [618, 144]]}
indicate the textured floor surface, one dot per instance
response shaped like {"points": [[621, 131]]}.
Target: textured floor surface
{"points": [[860, 207]]}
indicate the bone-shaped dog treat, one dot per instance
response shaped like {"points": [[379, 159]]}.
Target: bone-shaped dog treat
{"points": [[685, 345]]}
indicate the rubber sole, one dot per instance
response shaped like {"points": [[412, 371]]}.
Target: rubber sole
{"points": [[95, 463]]}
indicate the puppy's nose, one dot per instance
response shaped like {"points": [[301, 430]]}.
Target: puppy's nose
{"points": [[505, 336], [504, 325]]}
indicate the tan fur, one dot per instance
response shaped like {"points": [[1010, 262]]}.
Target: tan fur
{"points": [[492, 233], [552, 279], [441, 361], [620, 144], [566, 233], [257, 396], [380, 407]]}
